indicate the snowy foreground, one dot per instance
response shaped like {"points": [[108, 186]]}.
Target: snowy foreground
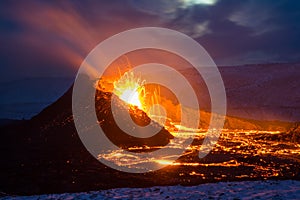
{"points": [[224, 190]]}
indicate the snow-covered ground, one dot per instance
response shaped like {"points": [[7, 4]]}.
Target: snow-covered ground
{"points": [[288, 189]]}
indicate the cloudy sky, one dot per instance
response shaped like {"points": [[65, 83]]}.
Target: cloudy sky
{"points": [[51, 38]]}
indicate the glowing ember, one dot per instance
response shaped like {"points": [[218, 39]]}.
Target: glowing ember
{"points": [[130, 89]]}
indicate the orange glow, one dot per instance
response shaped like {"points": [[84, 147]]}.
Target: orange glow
{"points": [[131, 96], [130, 89], [164, 162]]}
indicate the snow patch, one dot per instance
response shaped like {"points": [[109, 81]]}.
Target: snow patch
{"points": [[288, 189]]}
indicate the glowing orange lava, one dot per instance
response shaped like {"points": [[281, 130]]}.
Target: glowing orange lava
{"points": [[131, 96], [130, 89]]}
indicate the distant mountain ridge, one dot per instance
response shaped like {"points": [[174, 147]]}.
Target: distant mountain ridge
{"points": [[263, 92], [260, 91]]}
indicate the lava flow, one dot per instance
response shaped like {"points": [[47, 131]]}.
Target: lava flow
{"points": [[239, 153]]}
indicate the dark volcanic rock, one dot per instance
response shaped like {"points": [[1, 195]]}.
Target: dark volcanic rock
{"points": [[116, 135], [45, 154]]}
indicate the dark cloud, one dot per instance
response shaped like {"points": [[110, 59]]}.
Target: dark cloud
{"points": [[252, 31], [239, 32], [40, 38]]}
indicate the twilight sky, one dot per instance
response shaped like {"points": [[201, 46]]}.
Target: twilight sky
{"points": [[51, 38]]}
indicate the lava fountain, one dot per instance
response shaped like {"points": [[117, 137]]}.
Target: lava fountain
{"points": [[130, 89]]}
